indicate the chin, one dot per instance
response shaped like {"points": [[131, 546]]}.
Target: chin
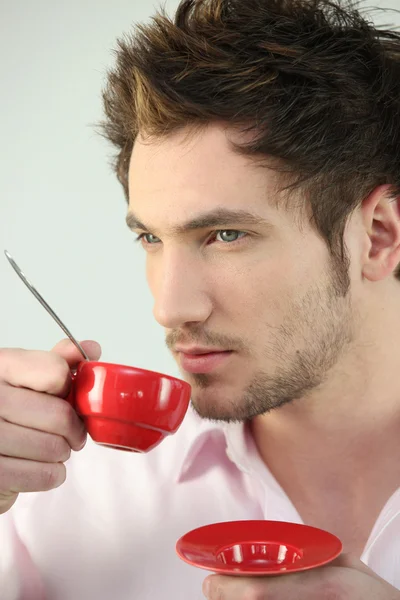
{"points": [[215, 407]]}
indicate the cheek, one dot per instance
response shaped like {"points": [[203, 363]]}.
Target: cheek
{"points": [[265, 290], [255, 291], [151, 277]]}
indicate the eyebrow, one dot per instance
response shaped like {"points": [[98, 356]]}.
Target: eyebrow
{"points": [[219, 217]]}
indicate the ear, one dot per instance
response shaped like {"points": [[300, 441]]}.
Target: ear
{"points": [[381, 221]]}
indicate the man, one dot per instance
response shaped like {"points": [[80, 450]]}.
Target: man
{"points": [[259, 149]]}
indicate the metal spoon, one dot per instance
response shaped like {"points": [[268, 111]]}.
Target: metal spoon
{"points": [[44, 303]]}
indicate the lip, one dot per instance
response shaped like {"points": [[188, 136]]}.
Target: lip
{"points": [[198, 350], [203, 362]]}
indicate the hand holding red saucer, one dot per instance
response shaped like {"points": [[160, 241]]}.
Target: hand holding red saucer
{"points": [[346, 578], [250, 557]]}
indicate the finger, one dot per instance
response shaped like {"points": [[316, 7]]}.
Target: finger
{"points": [[309, 585], [7, 500], [42, 412], [35, 369], [222, 587], [18, 475], [23, 442], [70, 353], [350, 561]]}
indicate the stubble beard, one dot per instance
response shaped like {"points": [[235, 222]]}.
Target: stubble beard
{"points": [[314, 336]]}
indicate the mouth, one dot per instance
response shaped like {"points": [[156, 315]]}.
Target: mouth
{"points": [[202, 360]]}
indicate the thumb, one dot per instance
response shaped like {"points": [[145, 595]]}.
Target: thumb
{"points": [[69, 352], [350, 561]]}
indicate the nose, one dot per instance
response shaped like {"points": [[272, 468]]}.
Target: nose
{"points": [[180, 291]]}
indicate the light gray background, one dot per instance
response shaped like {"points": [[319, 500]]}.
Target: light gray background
{"points": [[62, 210]]}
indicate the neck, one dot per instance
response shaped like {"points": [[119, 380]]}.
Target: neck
{"points": [[350, 425]]}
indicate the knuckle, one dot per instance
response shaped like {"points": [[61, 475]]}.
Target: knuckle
{"points": [[255, 591], [6, 441], [217, 592], [3, 396], [64, 417], [33, 369], [56, 448], [9, 478], [58, 373], [4, 359], [52, 476], [331, 588], [3, 425], [251, 591]]}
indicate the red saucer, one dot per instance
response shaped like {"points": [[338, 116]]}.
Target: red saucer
{"points": [[258, 547]]}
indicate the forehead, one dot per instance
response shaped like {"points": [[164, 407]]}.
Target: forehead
{"points": [[174, 177]]}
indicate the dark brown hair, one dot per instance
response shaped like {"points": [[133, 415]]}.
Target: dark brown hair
{"points": [[314, 81]]}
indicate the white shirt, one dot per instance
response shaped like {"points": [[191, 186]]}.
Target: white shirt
{"points": [[109, 532]]}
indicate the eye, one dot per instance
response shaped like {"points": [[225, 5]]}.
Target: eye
{"points": [[229, 235], [148, 238]]}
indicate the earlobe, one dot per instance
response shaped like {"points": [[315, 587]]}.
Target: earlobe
{"points": [[377, 271]]}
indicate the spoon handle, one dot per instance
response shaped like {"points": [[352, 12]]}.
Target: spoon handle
{"points": [[44, 303]]}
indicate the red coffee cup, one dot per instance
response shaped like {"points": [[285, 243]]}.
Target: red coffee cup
{"points": [[128, 408]]}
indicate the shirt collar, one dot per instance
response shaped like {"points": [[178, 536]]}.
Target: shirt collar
{"points": [[232, 436]]}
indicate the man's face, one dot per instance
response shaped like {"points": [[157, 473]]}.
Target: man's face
{"points": [[257, 290]]}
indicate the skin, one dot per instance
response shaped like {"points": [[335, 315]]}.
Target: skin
{"points": [[207, 292], [315, 361], [345, 579], [314, 365], [38, 429]]}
